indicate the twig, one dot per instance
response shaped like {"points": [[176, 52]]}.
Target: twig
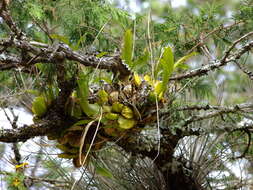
{"points": [[227, 53], [17, 155], [5, 14], [246, 130], [44, 28], [38, 179], [246, 71], [82, 162], [224, 110], [212, 32], [51, 181], [214, 64], [113, 63], [212, 107], [38, 158]]}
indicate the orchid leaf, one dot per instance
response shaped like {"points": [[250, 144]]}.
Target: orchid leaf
{"points": [[182, 60], [83, 94], [127, 49], [39, 106], [167, 63]]}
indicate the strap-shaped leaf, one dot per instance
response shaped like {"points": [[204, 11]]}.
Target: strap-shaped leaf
{"points": [[167, 63], [126, 52], [104, 172], [83, 94], [183, 59]]}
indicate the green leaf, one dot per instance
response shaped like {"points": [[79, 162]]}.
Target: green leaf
{"points": [[15, 181], [182, 60], [170, 29], [158, 88], [127, 112], [103, 172], [111, 116], [39, 106], [35, 10], [167, 63], [79, 42], [126, 123], [83, 94], [101, 54], [33, 92], [61, 38], [141, 60], [103, 96], [51, 93], [81, 122], [127, 49], [117, 107]]}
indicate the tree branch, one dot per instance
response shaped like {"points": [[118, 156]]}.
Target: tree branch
{"points": [[48, 53], [220, 28], [5, 14], [10, 61], [228, 52], [39, 179], [221, 110], [248, 144], [27, 132], [211, 107], [245, 70], [214, 64]]}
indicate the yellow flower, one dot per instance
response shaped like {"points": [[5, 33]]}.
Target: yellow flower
{"points": [[137, 79], [16, 182], [23, 165]]}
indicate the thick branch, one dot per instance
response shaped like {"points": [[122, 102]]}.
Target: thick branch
{"points": [[47, 53], [111, 63], [26, 132], [9, 61]]}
